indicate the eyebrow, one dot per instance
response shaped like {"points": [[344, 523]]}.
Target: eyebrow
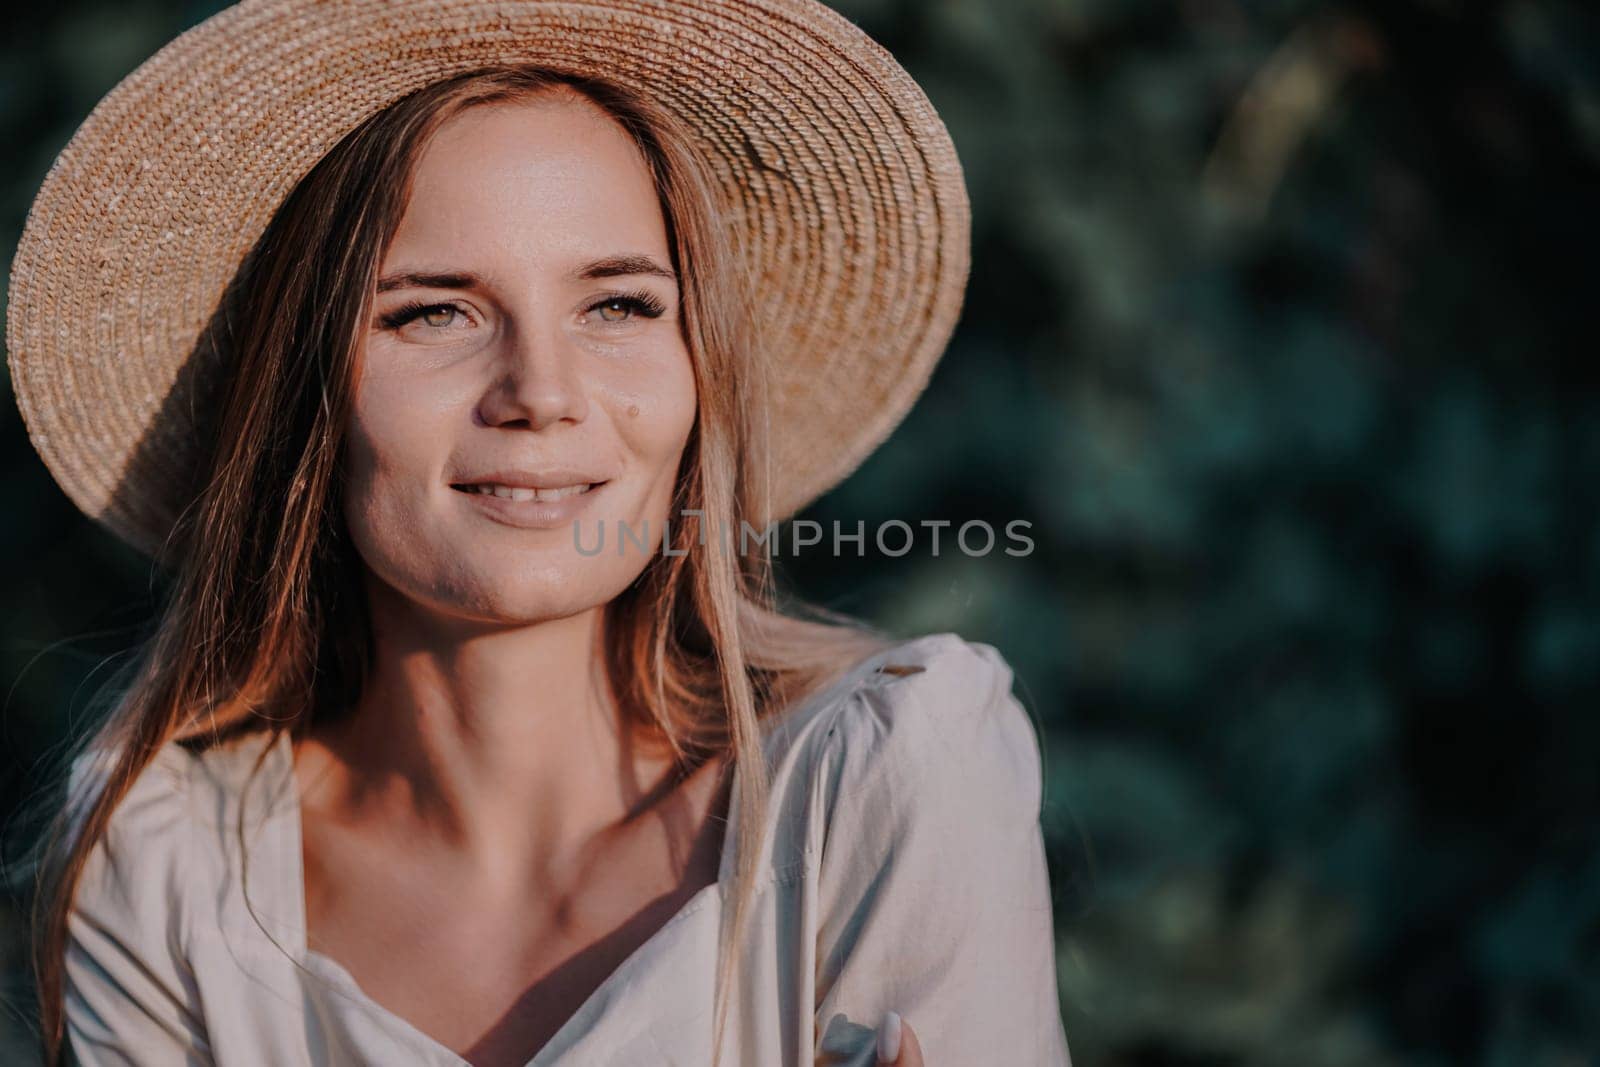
{"points": [[607, 267], [613, 266]]}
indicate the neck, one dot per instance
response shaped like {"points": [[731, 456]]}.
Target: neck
{"points": [[502, 744]]}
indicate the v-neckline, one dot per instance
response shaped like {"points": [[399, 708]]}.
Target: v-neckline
{"points": [[563, 1037]]}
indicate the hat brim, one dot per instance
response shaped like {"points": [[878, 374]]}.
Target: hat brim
{"points": [[854, 212]]}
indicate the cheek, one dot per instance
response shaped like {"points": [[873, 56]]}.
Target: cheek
{"points": [[655, 418], [387, 462]]}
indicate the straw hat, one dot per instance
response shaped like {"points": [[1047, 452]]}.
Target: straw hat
{"points": [[830, 157]]}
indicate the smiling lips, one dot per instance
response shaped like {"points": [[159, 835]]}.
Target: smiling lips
{"points": [[546, 486], [532, 499], [518, 492]]}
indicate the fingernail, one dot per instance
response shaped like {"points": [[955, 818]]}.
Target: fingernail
{"points": [[889, 1038]]}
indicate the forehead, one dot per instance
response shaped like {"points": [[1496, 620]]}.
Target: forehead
{"points": [[533, 182]]}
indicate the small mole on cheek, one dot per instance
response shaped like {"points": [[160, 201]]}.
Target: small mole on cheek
{"points": [[633, 410]]}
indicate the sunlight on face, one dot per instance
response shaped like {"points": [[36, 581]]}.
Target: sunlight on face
{"points": [[520, 336]]}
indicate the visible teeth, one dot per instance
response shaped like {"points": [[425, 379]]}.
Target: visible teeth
{"points": [[549, 495], [544, 496]]}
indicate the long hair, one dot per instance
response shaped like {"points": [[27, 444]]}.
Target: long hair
{"points": [[265, 626]]}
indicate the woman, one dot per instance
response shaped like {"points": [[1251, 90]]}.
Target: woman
{"points": [[468, 734]]}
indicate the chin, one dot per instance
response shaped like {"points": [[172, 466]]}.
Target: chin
{"points": [[552, 591]]}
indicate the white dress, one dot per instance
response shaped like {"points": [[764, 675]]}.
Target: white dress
{"points": [[903, 869]]}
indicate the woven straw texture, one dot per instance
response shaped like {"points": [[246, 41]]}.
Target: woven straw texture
{"points": [[829, 156]]}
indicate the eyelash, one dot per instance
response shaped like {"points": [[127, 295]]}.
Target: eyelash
{"points": [[641, 302]]}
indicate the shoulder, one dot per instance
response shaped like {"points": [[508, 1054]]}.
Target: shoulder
{"points": [[930, 881], [157, 801], [134, 875], [933, 729], [168, 838], [131, 989]]}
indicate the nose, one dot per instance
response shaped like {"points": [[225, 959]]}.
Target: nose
{"points": [[537, 384]]}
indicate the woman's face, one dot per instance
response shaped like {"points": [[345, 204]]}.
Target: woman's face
{"points": [[525, 337]]}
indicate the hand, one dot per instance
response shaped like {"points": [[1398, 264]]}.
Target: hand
{"points": [[897, 1044]]}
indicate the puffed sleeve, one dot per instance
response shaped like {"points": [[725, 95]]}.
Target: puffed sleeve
{"points": [[130, 997], [934, 895]]}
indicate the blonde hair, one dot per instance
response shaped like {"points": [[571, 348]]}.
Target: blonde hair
{"points": [[266, 625]]}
